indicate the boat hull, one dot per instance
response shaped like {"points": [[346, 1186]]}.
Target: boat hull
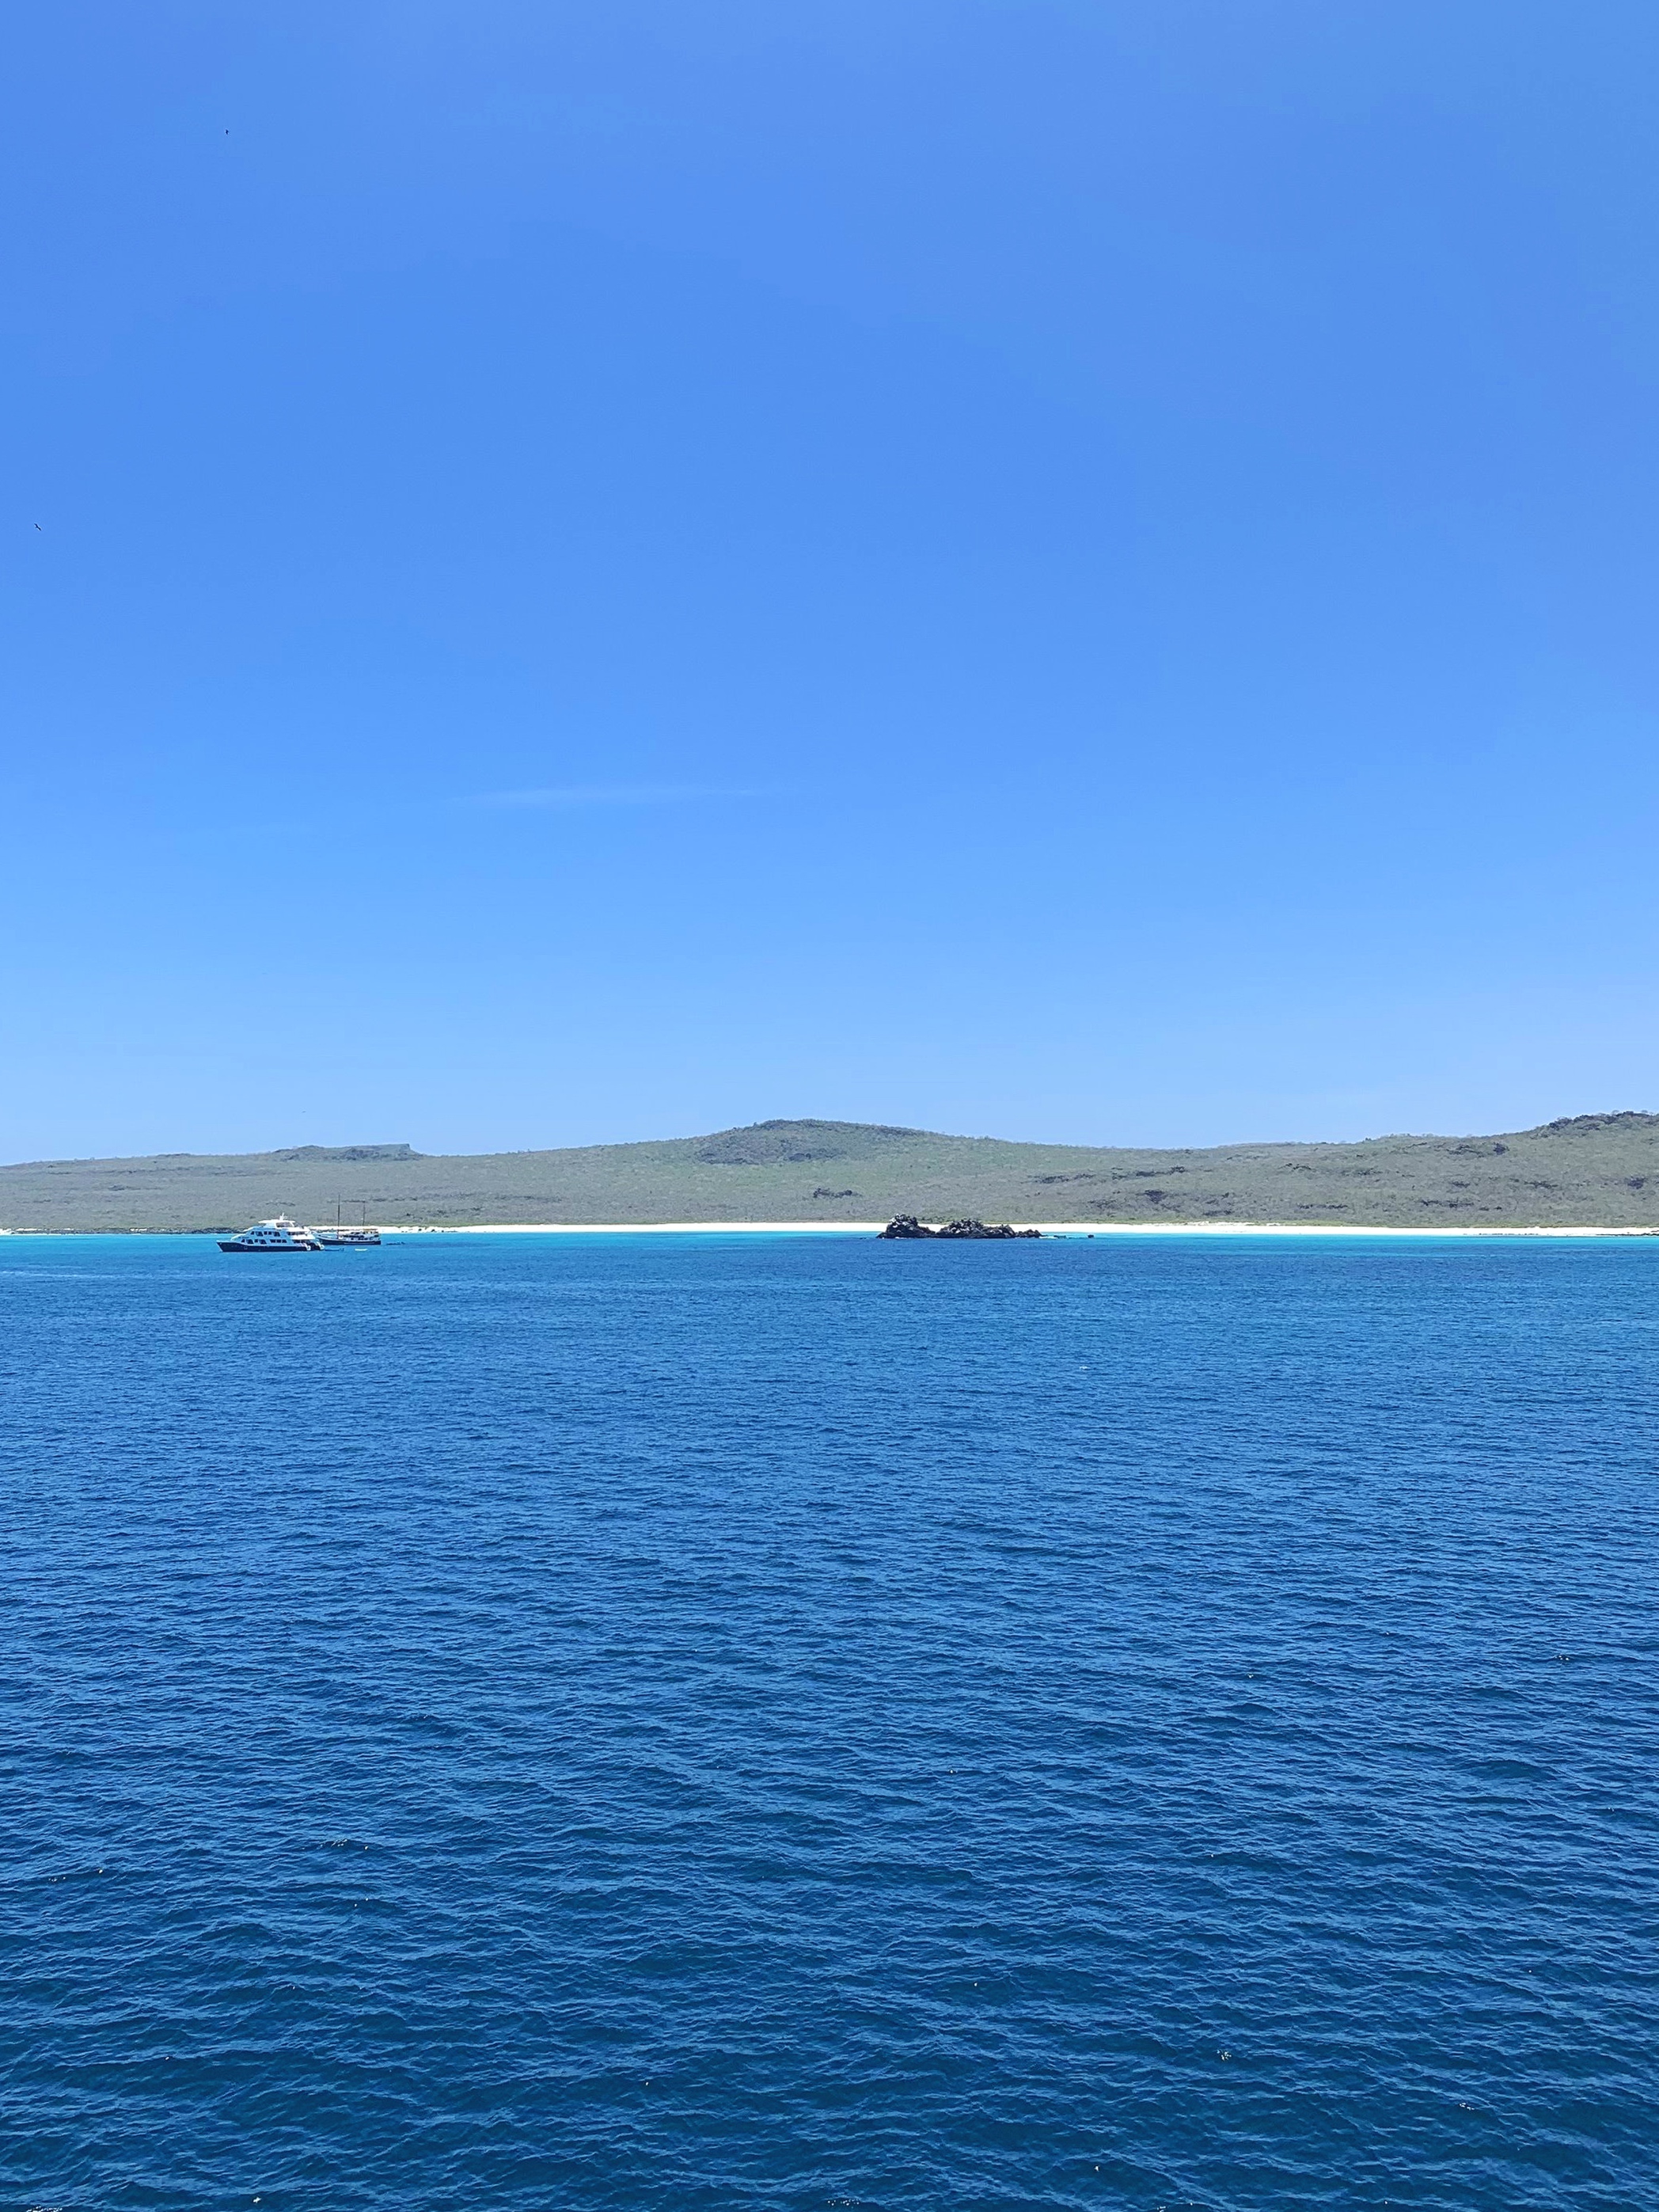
{"points": [[265, 1251]]}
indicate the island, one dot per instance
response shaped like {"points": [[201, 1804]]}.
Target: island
{"points": [[1589, 1170]]}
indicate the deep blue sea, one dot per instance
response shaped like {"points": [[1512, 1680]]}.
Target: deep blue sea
{"points": [[541, 1723]]}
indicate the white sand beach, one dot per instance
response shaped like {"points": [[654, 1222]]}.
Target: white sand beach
{"points": [[1047, 1228]]}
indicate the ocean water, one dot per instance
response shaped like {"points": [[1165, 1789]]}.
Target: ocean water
{"points": [[543, 1724]]}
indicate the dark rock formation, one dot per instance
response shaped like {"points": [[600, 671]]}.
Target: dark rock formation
{"points": [[906, 1224]]}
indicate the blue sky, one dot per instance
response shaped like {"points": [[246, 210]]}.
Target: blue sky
{"points": [[1082, 571]]}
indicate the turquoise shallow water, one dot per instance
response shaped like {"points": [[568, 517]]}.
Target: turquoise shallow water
{"points": [[539, 1723]]}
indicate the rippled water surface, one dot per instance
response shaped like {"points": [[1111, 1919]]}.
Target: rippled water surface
{"points": [[688, 1722]]}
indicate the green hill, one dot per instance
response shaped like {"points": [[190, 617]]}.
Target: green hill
{"points": [[1593, 1171]]}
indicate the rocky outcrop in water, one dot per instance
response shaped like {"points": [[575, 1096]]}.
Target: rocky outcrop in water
{"points": [[906, 1224]]}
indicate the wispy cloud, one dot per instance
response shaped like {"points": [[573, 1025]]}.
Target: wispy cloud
{"points": [[612, 794]]}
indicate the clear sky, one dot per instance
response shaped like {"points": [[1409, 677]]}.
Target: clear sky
{"points": [[1061, 568]]}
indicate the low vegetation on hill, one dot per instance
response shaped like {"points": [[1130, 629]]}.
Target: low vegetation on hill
{"points": [[1593, 1171]]}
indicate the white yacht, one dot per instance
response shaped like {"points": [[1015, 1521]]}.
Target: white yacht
{"points": [[279, 1236]]}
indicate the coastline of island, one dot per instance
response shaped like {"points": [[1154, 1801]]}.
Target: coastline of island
{"points": [[1086, 1229], [1583, 1175], [391, 1232]]}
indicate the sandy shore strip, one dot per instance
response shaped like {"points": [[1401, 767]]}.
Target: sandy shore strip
{"points": [[1047, 1228]]}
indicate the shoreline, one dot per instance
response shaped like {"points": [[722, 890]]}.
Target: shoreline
{"points": [[1084, 1229]]}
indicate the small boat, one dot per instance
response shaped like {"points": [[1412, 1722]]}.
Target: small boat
{"points": [[280, 1235]]}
